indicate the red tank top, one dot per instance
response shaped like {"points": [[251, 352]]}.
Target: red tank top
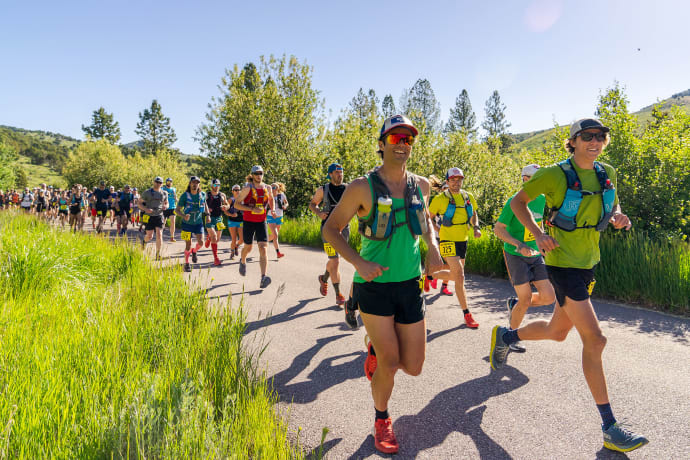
{"points": [[256, 196]]}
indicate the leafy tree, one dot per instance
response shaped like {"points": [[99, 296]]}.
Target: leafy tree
{"points": [[420, 105], [8, 158], [21, 179], [462, 118], [155, 130], [93, 161], [365, 105], [495, 123], [388, 106], [103, 126]]}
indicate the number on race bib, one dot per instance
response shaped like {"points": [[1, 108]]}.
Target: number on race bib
{"points": [[330, 251], [220, 226], [186, 236], [448, 249], [63, 207], [145, 218]]}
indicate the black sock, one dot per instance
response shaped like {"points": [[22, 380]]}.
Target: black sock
{"points": [[444, 284], [325, 276], [511, 336], [429, 277], [336, 286], [607, 417], [277, 251], [381, 414], [464, 312]]}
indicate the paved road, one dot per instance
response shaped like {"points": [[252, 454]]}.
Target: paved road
{"points": [[538, 406]]}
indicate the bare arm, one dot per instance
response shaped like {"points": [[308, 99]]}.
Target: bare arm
{"points": [[240, 199], [433, 257], [501, 231], [518, 204], [314, 204]]}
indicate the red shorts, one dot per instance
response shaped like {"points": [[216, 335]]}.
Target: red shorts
{"points": [[93, 212]]}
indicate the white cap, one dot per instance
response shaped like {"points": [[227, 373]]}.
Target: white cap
{"points": [[452, 172], [529, 170]]}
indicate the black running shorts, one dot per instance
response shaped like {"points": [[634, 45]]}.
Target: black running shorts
{"points": [[154, 222], [402, 300], [168, 212], [574, 283], [254, 231]]}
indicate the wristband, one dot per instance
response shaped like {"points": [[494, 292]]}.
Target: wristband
{"points": [[477, 227]]}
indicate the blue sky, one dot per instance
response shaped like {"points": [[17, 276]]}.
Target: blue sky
{"points": [[62, 60]]}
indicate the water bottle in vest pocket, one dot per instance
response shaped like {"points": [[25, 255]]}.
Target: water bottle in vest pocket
{"points": [[417, 217], [382, 220]]}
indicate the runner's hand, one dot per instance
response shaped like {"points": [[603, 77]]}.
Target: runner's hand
{"points": [[273, 214], [323, 215], [477, 233], [526, 251], [620, 220], [186, 217], [433, 261], [545, 243], [370, 270], [208, 219]]}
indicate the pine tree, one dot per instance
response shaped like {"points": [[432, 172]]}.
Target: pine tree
{"points": [[155, 130], [388, 106], [103, 126], [365, 105], [495, 123], [462, 118], [420, 104]]}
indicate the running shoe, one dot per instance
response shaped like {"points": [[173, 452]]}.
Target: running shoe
{"points": [[510, 303], [187, 267], [339, 299], [434, 283], [280, 254], [426, 284], [446, 291], [173, 240], [384, 438], [517, 347], [350, 316], [243, 269], [265, 281], [498, 355], [216, 261], [471, 323], [207, 243], [621, 439], [232, 254], [370, 362], [194, 257], [323, 286]]}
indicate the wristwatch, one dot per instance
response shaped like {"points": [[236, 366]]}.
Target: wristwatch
{"points": [[477, 227]]}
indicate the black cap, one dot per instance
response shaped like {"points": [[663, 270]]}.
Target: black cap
{"points": [[194, 178]]}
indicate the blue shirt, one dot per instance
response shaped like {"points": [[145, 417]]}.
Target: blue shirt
{"points": [[172, 196]]}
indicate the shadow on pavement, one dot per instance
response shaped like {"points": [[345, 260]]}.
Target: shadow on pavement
{"points": [[289, 314], [457, 409], [322, 450], [606, 454]]}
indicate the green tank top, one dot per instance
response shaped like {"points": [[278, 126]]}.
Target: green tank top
{"points": [[400, 253]]}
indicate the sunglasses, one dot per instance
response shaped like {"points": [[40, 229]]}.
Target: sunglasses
{"points": [[235, 190], [258, 173], [395, 138], [601, 137]]}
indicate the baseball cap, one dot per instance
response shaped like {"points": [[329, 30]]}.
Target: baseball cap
{"points": [[529, 170], [126, 187], [169, 179], [452, 172], [586, 123], [194, 178], [215, 182], [333, 167], [102, 182], [236, 187], [257, 168], [397, 121], [158, 179]]}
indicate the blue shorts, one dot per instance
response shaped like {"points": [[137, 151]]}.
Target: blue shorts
{"points": [[232, 224], [277, 221], [193, 229]]}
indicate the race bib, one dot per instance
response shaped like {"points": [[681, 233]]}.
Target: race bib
{"points": [[590, 287], [220, 226], [528, 236], [330, 251], [63, 207], [100, 213], [448, 249], [145, 218], [186, 236]]}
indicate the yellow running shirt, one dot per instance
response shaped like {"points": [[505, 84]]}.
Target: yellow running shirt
{"points": [[460, 229]]}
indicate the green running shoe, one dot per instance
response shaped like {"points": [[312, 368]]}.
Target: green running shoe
{"points": [[498, 355], [622, 440]]}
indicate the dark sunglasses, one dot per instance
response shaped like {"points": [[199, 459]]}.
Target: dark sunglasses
{"points": [[395, 138], [258, 173], [601, 137]]}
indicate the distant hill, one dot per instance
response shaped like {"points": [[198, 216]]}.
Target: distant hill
{"points": [[535, 139]]}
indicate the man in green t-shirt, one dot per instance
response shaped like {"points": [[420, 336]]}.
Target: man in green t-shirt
{"points": [[524, 263], [571, 251], [391, 205]]}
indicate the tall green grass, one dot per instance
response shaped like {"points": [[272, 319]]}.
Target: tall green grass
{"points": [[633, 268], [104, 356]]}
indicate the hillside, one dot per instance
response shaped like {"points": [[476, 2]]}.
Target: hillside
{"points": [[535, 139]]}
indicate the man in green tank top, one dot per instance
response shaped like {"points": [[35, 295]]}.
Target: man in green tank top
{"points": [[387, 284]]}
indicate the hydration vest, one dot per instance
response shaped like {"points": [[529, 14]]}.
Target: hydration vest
{"points": [[214, 204], [381, 222], [190, 204], [564, 217], [447, 220], [329, 202]]}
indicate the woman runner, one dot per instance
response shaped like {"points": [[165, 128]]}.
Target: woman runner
{"points": [[275, 219]]}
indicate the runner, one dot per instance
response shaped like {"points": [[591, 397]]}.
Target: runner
{"points": [[135, 206], [275, 219], [122, 209], [53, 203], [3, 199], [15, 199], [390, 204], [152, 203], [27, 200], [235, 220], [111, 204], [322, 204], [63, 204], [172, 202], [255, 199], [77, 204], [456, 207], [101, 198], [581, 194], [91, 199], [524, 263], [216, 205], [41, 204], [190, 208]]}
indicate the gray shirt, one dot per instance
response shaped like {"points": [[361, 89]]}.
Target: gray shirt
{"points": [[154, 200]]}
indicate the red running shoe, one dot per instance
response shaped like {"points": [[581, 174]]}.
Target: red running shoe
{"points": [[471, 323], [280, 254], [216, 261], [384, 438], [446, 291], [207, 243], [426, 284], [340, 299], [434, 284], [323, 288], [370, 362]]}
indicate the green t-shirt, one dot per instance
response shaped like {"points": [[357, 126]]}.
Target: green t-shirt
{"points": [[192, 207], [516, 229], [400, 253], [579, 248]]}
